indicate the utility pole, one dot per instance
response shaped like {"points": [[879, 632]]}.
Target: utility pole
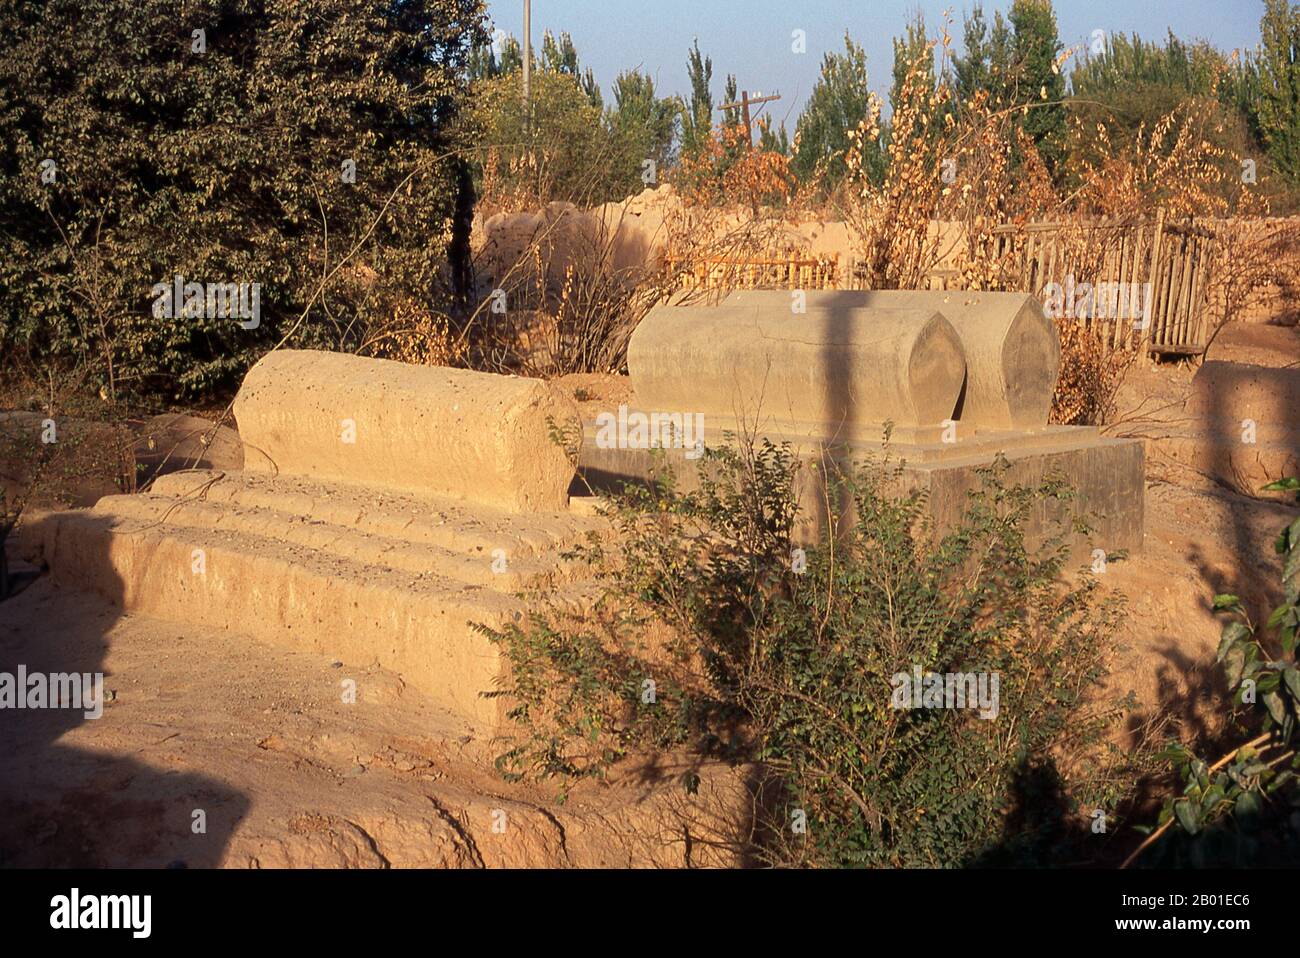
{"points": [[528, 59], [744, 104]]}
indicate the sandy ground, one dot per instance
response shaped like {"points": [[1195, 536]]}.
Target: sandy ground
{"points": [[257, 742]]}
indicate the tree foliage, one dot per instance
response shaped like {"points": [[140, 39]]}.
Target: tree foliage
{"points": [[1038, 83], [838, 104], [220, 156], [697, 115], [985, 64], [1268, 87], [646, 122]]}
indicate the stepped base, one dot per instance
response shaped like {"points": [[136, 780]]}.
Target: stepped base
{"points": [[369, 577], [1106, 476]]}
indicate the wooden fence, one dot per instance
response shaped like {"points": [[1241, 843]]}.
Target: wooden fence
{"points": [[771, 272], [1146, 282]]}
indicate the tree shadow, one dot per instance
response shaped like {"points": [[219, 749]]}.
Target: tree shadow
{"points": [[64, 804]]}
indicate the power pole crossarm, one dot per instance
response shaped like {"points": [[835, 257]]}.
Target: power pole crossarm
{"points": [[744, 104]]}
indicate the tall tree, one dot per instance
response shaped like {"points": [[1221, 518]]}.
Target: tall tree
{"points": [[769, 142], [1039, 85], [1274, 96], [697, 116], [730, 94], [592, 89], [985, 64], [559, 56], [647, 122], [838, 103]]}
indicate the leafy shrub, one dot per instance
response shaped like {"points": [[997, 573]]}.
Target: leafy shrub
{"points": [[713, 632], [564, 147], [1244, 808], [220, 157]]}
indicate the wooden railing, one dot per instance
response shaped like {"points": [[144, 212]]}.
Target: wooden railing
{"points": [[771, 272], [1117, 260], [1174, 259]]}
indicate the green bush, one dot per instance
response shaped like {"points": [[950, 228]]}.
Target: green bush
{"points": [[1244, 808], [565, 147], [713, 633], [220, 157]]}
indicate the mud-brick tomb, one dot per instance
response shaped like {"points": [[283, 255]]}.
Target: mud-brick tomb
{"points": [[957, 378], [383, 508]]}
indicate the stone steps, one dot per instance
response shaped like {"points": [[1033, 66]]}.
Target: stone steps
{"points": [[481, 564], [371, 578], [451, 524]]}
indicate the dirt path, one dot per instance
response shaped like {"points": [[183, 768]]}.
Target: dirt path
{"points": [[258, 742]]}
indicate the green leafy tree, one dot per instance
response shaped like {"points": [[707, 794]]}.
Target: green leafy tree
{"points": [[566, 152], [512, 56], [769, 142], [731, 94], [1039, 84], [146, 139], [1132, 84], [645, 122], [1270, 87], [559, 56], [838, 103], [986, 61], [1129, 68], [697, 116]]}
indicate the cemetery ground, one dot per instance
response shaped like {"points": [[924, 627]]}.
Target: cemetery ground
{"points": [[256, 738]]}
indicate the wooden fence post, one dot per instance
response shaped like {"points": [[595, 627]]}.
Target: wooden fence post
{"points": [[1157, 241]]}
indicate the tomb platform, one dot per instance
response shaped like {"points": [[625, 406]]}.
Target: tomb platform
{"points": [[939, 384], [384, 511]]}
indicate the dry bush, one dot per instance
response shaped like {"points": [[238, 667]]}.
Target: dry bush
{"points": [[891, 222], [569, 299], [954, 162], [565, 305], [1091, 374], [416, 335], [1256, 268], [976, 168], [1173, 166], [727, 170]]}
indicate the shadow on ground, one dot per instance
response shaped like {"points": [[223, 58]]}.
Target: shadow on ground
{"points": [[63, 802]]}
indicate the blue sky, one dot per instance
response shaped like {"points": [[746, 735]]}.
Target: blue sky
{"points": [[752, 38]]}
